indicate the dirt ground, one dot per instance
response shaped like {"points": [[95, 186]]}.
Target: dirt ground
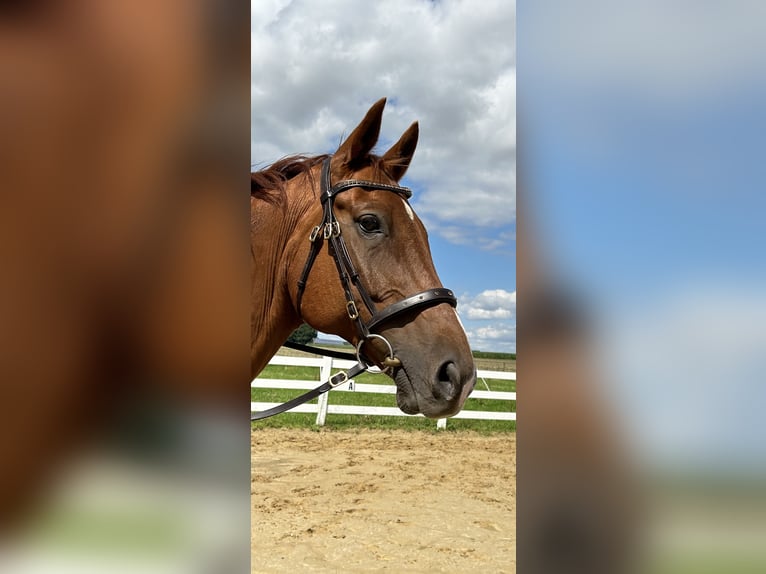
{"points": [[371, 500]]}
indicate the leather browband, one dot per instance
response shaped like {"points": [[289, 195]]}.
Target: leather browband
{"points": [[349, 183]]}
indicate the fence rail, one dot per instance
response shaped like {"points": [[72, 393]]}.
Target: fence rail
{"points": [[323, 407]]}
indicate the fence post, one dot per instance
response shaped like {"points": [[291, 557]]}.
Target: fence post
{"points": [[441, 424], [325, 372]]}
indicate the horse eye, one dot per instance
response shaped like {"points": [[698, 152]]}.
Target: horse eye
{"points": [[369, 223]]}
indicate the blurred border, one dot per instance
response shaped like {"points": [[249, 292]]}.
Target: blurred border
{"points": [[124, 340], [641, 287]]}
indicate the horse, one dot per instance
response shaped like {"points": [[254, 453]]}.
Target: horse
{"points": [[377, 255]]}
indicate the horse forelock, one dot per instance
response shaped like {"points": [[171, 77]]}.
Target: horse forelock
{"points": [[269, 184]]}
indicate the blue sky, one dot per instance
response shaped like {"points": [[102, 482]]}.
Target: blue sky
{"points": [[316, 71]]}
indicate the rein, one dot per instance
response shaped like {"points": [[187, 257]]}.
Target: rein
{"points": [[329, 230]]}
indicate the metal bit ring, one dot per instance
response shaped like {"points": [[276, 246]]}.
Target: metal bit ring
{"points": [[390, 361]]}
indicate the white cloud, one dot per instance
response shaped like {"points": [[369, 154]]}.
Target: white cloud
{"points": [[317, 67], [495, 337], [489, 304], [495, 333], [490, 320]]}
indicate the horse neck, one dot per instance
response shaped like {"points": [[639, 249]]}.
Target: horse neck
{"points": [[274, 243]]}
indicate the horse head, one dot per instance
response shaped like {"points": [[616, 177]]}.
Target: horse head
{"points": [[389, 261]]}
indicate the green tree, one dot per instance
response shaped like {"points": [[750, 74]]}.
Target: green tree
{"points": [[303, 334]]}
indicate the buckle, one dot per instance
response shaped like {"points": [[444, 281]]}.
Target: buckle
{"points": [[314, 234], [353, 312], [338, 379], [331, 229]]}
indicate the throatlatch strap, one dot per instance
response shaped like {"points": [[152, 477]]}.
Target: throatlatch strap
{"points": [[319, 351]]}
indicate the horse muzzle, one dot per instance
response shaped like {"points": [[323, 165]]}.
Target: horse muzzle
{"points": [[440, 395]]}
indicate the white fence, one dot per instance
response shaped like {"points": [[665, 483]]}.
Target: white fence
{"points": [[323, 407]]}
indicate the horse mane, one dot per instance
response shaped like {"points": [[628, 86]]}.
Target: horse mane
{"points": [[268, 184]]}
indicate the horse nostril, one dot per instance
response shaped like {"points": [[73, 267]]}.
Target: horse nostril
{"points": [[447, 385]]}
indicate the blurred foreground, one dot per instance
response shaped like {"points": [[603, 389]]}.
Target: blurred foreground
{"points": [[641, 296], [123, 236]]}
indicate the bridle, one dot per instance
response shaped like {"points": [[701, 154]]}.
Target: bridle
{"points": [[329, 230]]}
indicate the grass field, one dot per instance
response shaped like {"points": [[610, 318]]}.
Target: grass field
{"points": [[306, 420]]}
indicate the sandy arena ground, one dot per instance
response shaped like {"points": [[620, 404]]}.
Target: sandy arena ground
{"points": [[371, 500]]}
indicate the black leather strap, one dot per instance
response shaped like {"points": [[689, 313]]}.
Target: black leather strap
{"points": [[351, 274], [335, 380], [344, 274], [421, 300], [316, 246], [349, 183], [319, 351]]}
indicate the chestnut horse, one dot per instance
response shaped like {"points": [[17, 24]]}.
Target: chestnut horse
{"points": [[377, 257]]}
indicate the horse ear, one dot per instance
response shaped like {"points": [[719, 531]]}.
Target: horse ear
{"points": [[397, 159], [363, 138]]}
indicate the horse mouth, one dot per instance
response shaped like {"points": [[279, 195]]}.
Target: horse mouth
{"points": [[411, 402], [406, 399]]}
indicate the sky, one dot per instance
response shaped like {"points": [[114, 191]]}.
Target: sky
{"points": [[451, 66], [645, 126]]}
